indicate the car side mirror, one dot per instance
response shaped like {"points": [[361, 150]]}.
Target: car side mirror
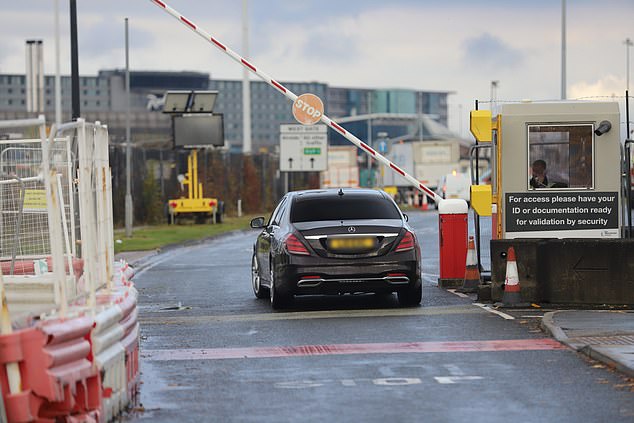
{"points": [[406, 217], [258, 222]]}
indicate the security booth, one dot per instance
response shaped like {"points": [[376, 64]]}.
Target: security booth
{"points": [[557, 198]]}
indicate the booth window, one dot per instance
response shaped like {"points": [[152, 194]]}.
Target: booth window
{"points": [[560, 156]]}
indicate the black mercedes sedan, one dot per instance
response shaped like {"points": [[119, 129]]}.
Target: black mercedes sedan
{"points": [[335, 241]]}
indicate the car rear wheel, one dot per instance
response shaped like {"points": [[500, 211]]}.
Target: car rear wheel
{"points": [[259, 290], [278, 299], [411, 297]]}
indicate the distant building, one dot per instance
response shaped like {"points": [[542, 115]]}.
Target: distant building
{"points": [[102, 97]]}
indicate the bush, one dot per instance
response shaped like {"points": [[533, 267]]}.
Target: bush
{"points": [[152, 205]]}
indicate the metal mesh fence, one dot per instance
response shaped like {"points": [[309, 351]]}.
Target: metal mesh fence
{"points": [[23, 204], [56, 240], [24, 222]]}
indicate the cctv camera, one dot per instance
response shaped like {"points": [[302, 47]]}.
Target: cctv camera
{"points": [[604, 128]]}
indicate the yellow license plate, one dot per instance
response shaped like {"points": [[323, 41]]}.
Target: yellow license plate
{"points": [[351, 243]]}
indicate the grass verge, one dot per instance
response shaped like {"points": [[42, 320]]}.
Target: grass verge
{"points": [[153, 237]]}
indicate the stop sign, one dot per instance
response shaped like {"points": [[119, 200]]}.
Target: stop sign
{"points": [[308, 109]]}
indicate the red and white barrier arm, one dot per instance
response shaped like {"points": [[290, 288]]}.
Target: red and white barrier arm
{"points": [[292, 96]]}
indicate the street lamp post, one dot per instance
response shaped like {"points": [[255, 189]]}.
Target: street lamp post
{"points": [[628, 43], [58, 78], [563, 49], [246, 88], [74, 61], [128, 149], [494, 96]]}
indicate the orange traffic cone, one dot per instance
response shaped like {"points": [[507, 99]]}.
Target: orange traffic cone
{"points": [[425, 205], [512, 292], [472, 273]]}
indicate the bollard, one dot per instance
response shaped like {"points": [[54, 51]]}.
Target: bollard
{"points": [[452, 233]]}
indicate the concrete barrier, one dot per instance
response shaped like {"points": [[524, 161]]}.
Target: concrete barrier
{"points": [[568, 271]]}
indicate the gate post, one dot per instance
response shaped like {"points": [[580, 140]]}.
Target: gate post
{"points": [[452, 233]]}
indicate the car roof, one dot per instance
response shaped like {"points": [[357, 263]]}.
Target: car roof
{"points": [[336, 192]]}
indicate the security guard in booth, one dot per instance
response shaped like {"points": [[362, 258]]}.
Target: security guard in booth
{"points": [[540, 180]]}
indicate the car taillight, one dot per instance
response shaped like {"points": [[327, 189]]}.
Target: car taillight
{"points": [[173, 204], [407, 243], [295, 246]]}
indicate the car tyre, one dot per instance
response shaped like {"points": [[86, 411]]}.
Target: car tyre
{"points": [[278, 299], [256, 281], [411, 297]]}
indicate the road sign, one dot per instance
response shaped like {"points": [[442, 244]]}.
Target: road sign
{"points": [[303, 148], [308, 109]]}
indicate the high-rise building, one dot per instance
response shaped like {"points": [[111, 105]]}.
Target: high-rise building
{"points": [[103, 98]]}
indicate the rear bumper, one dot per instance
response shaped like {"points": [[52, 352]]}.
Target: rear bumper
{"points": [[312, 276]]}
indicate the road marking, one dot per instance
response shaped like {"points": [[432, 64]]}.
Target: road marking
{"points": [[330, 314], [455, 379], [391, 381], [494, 311], [460, 294], [454, 370], [538, 344], [298, 384], [394, 381]]}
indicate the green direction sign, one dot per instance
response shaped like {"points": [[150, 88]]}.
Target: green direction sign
{"points": [[312, 151]]}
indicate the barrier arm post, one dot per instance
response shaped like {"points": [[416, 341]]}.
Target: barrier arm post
{"points": [[292, 96]]}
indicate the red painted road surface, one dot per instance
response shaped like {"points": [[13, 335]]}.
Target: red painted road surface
{"points": [[340, 349]]}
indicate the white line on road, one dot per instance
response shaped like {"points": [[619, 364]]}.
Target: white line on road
{"points": [[259, 317], [494, 311], [455, 379]]}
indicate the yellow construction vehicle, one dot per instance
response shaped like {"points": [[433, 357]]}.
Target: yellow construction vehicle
{"points": [[195, 206]]}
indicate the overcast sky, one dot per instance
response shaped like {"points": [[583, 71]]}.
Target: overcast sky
{"points": [[447, 45]]}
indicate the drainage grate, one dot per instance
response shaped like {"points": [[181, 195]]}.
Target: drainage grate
{"points": [[607, 340]]}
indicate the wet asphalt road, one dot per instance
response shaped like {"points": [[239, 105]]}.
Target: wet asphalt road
{"points": [[218, 358]]}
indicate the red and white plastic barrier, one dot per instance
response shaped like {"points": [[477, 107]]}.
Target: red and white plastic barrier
{"points": [[292, 96], [58, 379], [115, 348], [84, 368]]}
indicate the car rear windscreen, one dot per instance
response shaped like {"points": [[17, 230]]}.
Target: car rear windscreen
{"points": [[343, 208]]}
